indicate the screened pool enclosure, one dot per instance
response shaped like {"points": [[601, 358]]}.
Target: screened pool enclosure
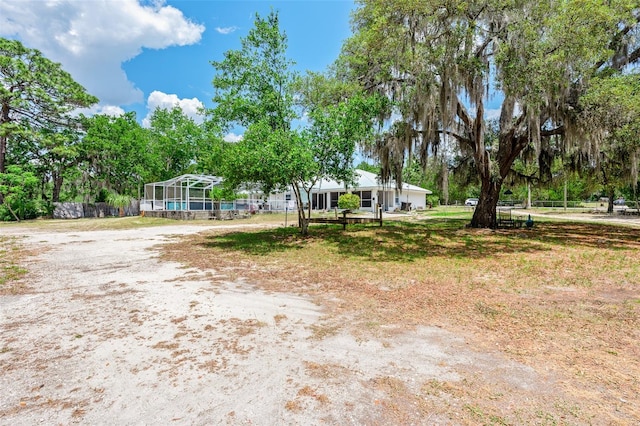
{"points": [[182, 193]]}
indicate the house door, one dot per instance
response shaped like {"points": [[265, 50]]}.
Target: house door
{"points": [[318, 201]]}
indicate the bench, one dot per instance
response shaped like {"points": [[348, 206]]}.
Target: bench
{"points": [[505, 219], [344, 219]]}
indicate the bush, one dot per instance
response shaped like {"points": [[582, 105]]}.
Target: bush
{"points": [[19, 189], [30, 209], [119, 201], [349, 202]]}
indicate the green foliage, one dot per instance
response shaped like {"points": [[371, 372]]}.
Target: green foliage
{"points": [[255, 88], [254, 84], [349, 202], [221, 193], [102, 195], [119, 201], [18, 189], [372, 168], [336, 129], [610, 110], [35, 93], [176, 143], [440, 63], [115, 153], [271, 158]]}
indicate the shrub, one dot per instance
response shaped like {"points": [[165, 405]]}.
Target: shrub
{"points": [[349, 202], [19, 188], [119, 201]]}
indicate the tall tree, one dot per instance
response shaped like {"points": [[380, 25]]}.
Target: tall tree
{"points": [[35, 93], [57, 156], [254, 84], [442, 61], [610, 112], [115, 153], [255, 89], [176, 143]]}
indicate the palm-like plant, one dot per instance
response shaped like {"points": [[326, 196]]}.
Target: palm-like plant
{"points": [[119, 201]]}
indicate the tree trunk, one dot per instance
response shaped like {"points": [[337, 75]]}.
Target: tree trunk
{"points": [[3, 150], [4, 118], [445, 180], [57, 187], [610, 204], [484, 215], [304, 229], [303, 223]]}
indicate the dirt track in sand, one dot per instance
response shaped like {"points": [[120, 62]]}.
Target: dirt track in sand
{"points": [[108, 334]]}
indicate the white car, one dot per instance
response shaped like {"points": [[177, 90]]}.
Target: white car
{"points": [[471, 202]]}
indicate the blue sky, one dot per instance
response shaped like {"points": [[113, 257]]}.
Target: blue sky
{"points": [[137, 55]]}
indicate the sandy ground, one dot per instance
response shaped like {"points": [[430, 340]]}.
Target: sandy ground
{"points": [[108, 334]]}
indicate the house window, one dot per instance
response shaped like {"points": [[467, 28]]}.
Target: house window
{"points": [[334, 199], [365, 198]]}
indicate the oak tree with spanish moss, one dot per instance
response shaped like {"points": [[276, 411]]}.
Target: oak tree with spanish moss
{"points": [[442, 61]]}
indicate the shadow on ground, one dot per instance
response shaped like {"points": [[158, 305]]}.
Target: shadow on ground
{"points": [[408, 241]]}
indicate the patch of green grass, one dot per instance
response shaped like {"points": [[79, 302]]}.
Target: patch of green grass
{"points": [[486, 419], [404, 241], [258, 243], [10, 271], [449, 212]]}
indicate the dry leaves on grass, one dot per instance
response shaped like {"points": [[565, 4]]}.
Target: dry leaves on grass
{"points": [[562, 298]]}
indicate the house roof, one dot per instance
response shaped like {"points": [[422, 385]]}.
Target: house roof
{"points": [[366, 181], [190, 180]]}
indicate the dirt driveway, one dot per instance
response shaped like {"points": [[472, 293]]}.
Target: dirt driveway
{"points": [[108, 334]]}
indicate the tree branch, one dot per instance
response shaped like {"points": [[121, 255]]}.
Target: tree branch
{"points": [[553, 132]]}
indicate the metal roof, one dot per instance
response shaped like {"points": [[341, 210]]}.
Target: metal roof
{"points": [[191, 180], [366, 180]]}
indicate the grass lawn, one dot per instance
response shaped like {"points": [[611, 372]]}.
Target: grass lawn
{"points": [[563, 298]]}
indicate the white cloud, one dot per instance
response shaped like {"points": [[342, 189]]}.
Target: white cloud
{"points": [[192, 108], [226, 30], [492, 114], [112, 110], [232, 137], [91, 39]]}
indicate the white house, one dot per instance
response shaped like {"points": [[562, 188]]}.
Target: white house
{"points": [[192, 193], [371, 191]]}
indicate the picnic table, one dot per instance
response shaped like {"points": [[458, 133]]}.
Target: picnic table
{"points": [[343, 219]]}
